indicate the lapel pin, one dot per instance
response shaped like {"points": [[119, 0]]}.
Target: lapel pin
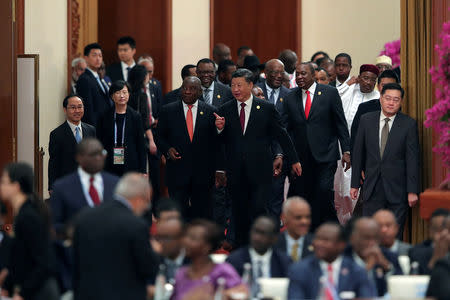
{"points": [[218, 96], [344, 272], [258, 107], [153, 95], [319, 93], [311, 248], [201, 113], [281, 99]]}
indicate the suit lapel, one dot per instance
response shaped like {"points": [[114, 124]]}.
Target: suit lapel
{"points": [[344, 275], [300, 103], [199, 119], [182, 119], [315, 101], [69, 134], [79, 190], [96, 83], [393, 134], [376, 134], [235, 116], [251, 119], [86, 131]]}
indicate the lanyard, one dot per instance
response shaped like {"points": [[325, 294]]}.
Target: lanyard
{"points": [[115, 131]]}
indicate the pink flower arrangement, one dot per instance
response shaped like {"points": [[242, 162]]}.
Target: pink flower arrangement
{"points": [[438, 116], [392, 49]]}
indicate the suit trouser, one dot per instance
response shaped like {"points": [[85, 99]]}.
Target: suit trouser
{"points": [[154, 163], [316, 186], [277, 197], [194, 199], [249, 201], [377, 200]]}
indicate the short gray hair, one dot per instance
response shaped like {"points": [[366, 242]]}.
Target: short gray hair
{"points": [[132, 185], [76, 61], [145, 59], [293, 199]]}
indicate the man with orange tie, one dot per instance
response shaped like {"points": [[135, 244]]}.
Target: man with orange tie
{"points": [[316, 122], [187, 136], [88, 186]]}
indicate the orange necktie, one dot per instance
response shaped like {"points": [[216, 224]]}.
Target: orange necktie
{"points": [[189, 122], [307, 104]]}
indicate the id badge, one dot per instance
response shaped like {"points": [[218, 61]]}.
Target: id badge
{"points": [[119, 155]]}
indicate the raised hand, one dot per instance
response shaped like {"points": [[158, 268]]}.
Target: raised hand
{"points": [[220, 122]]}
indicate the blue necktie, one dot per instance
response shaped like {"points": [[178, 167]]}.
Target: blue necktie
{"points": [[100, 84], [77, 134], [272, 98]]}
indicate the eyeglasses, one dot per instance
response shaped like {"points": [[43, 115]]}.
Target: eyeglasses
{"points": [[274, 73], [75, 107], [205, 72], [120, 93], [103, 152]]}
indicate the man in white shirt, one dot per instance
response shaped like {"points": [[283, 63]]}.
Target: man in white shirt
{"points": [[342, 66], [126, 49], [296, 240]]}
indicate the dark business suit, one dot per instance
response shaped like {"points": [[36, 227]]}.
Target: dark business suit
{"points": [[304, 280], [422, 254], [114, 71], [440, 277], [279, 262], [249, 160], [157, 89], [68, 198], [363, 108], [316, 142], [113, 258], [221, 94], [307, 248], [62, 149], [134, 142], [377, 274], [277, 182], [32, 261], [172, 96], [95, 101], [390, 178], [190, 178]]}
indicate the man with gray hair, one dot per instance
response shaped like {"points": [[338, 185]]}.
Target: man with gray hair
{"points": [[78, 67], [296, 240], [113, 258]]}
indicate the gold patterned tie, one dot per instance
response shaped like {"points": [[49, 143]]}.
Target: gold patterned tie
{"points": [[294, 252], [384, 135]]}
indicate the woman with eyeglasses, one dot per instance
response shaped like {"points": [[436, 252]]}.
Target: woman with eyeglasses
{"points": [[121, 132]]}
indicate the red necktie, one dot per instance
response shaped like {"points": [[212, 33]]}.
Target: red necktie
{"points": [[189, 122], [307, 104], [93, 192], [329, 289], [242, 117], [149, 102]]}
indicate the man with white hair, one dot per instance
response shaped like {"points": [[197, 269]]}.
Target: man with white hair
{"points": [[78, 67], [296, 240], [113, 258]]}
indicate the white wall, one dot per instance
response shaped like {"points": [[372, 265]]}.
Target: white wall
{"points": [[358, 27], [190, 35], [46, 35]]}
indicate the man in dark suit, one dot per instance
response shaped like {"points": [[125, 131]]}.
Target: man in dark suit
{"points": [[214, 93], [365, 251], [76, 191], [389, 231], [386, 77], [296, 240], [266, 260], [126, 49], [316, 121], [90, 87], [113, 258], [425, 253], [65, 137], [225, 69], [387, 151], [275, 92], [329, 263], [187, 136], [247, 127], [175, 95]]}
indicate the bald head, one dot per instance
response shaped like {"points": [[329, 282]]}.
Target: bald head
{"points": [[274, 70], [296, 216], [273, 63], [388, 227], [170, 234], [221, 52], [91, 155], [191, 89], [365, 234], [289, 59], [135, 188]]}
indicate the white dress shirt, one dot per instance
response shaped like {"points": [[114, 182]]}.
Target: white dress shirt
{"points": [[275, 95], [194, 113], [210, 94], [290, 243], [336, 265], [394, 247], [73, 128], [312, 90], [85, 183], [247, 109], [124, 69], [391, 121], [338, 83], [265, 262]]}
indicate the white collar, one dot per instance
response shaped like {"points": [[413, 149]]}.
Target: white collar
{"points": [[193, 104], [248, 102], [339, 83], [336, 263], [383, 116], [179, 259], [394, 247], [292, 240], [269, 89], [73, 126], [210, 88], [311, 89], [124, 65], [359, 261], [255, 256], [85, 174]]}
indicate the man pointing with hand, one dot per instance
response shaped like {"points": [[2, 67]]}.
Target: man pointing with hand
{"points": [[247, 126], [187, 135]]}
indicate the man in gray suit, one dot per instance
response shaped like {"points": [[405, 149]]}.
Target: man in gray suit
{"points": [[388, 232]]}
